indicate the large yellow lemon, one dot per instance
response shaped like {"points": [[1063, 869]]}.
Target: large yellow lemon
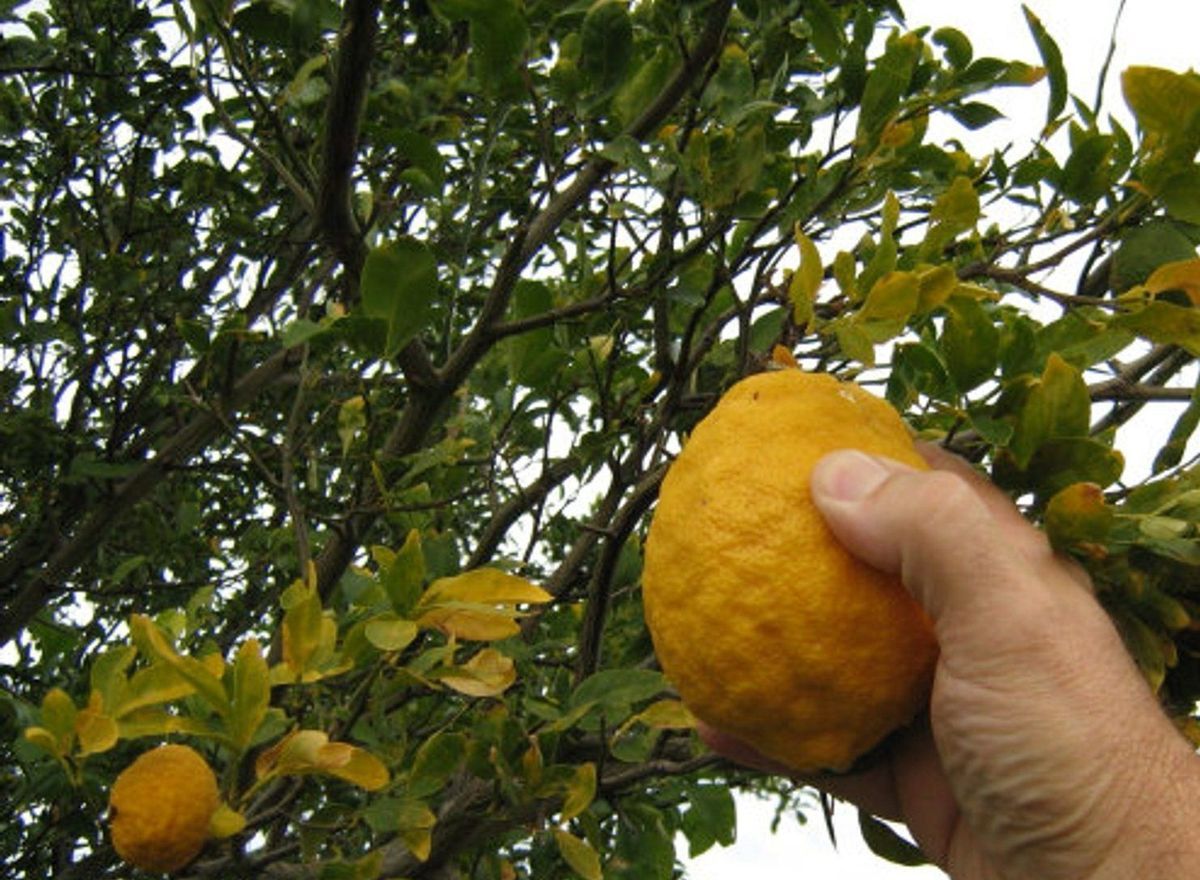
{"points": [[160, 807], [769, 629]]}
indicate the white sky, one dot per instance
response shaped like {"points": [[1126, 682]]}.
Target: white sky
{"points": [[1161, 33]]}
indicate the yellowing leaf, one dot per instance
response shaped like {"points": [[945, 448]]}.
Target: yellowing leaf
{"points": [[782, 356], [485, 585], [1078, 516], [151, 686], [44, 740], [351, 420], [150, 638], [578, 853], [580, 791], [226, 822], [58, 718], [935, 287], [310, 751], [666, 714], [479, 605], [251, 693], [1181, 275], [488, 674], [390, 632], [955, 211], [302, 624], [889, 305], [96, 731], [806, 280], [415, 823]]}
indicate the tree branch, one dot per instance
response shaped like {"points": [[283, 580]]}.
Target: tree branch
{"points": [[343, 119], [193, 437]]}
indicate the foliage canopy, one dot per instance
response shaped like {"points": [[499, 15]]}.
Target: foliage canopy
{"points": [[344, 347]]}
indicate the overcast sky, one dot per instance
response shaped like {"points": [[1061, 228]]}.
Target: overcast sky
{"points": [[1161, 33]]}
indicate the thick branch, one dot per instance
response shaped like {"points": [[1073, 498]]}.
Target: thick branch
{"points": [[343, 119]]}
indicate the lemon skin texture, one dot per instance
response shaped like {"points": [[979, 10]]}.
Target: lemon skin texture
{"points": [[160, 807], [768, 628]]}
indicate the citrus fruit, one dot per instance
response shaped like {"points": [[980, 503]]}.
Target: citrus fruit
{"points": [[770, 630], [160, 807]]}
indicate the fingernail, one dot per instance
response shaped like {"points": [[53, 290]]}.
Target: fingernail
{"points": [[847, 475]]}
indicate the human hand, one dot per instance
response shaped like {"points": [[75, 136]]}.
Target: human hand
{"points": [[1044, 755]]}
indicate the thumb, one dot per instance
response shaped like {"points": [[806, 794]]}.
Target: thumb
{"points": [[931, 528]]}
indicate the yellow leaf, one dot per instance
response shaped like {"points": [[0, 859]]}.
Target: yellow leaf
{"points": [[480, 604], [226, 822], [806, 280], [151, 686], [782, 356], [58, 718], [302, 624], [935, 286], [310, 751], [390, 632], [1181, 275], [487, 674], [97, 732], [580, 791], [151, 639], [485, 585], [415, 823], [251, 693], [666, 714], [578, 853], [44, 740]]}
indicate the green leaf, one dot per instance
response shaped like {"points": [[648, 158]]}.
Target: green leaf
{"points": [[534, 358], [1185, 426], [732, 86], [1181, 195], [606, 43], [886, 84], [887, 844], [400, 287], [975, 115], [1057, 406], [1052, 58], [251, 694], [402, 574], [956, 45], [1144, 248], [711, 818], [827, 36], [640, 89], [437, 759], [1085, 176], [614, 691], [970, 343], [579, 855], [300, 331]]}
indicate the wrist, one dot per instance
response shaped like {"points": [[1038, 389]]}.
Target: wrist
{"points": [[1160, 837]]}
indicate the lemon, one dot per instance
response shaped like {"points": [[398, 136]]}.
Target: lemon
{"points": [[160, 807], [768, 628]]}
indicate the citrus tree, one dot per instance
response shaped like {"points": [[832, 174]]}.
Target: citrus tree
{"points": [[344, 347]]}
